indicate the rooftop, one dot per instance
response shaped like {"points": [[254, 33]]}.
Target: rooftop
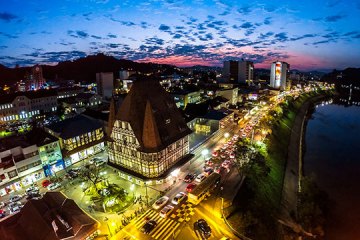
{"points": [[8, 98], [75, 126], [153, 115], [50, 218]]}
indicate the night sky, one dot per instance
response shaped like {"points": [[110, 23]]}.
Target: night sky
{"points": [[310, 35]]}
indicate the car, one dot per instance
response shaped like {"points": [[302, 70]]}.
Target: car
{"points": [[200, 178], [31, 190], [226, 164], [189, 178], [219, 169], [235, 137], [209, 163], [208, 171], [166, 211], [45, 183], [15, 198], [244, 135], [53, 186], [204, 227], [160, 202], [178, 198], [99, 163], [190, 187], [232, 155], [35, 196], [2, 204], [149, 226], [2, 213], [215, 154], [223, 155], [93, 160], [14, 207]]}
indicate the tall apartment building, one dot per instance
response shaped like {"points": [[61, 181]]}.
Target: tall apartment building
{"points": [[279, 74], [238, 71], [148, 133], [24, 105], [105, 84]]}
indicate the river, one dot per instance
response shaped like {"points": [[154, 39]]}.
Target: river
{"points": [[333, 156]]}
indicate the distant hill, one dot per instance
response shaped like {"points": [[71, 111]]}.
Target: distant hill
{"points": [[82, 69], [348, 75]]}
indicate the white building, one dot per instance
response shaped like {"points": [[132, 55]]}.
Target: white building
{"points": [[279, 75]]}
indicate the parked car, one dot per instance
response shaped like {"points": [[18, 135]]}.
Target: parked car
{"points": [[32, 190], [35, 196], [190, 187], [99, 162], [204, 227], [215, 153], [2, 213], [166, 211], [149, 226], [93, 160], [209, 163], [2, 204], [200, 178], [54, 186], [189, 178], [14, 207], [45, 183], [160, 202], [15, 198], [178, 198]]}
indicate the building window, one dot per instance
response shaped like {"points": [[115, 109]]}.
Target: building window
{"points": [[12, 174], [167, 121]]}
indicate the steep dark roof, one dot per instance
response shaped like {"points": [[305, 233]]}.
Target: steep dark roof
{"points": [[75, 126], [37, 219], [153, 115]]}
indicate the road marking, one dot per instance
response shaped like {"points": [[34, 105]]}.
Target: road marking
{"points": [[161, 229], [142, 216], [150, 216], [171, 230]]}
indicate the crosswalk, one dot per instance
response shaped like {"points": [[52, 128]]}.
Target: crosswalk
{"points": [[165, 226]]}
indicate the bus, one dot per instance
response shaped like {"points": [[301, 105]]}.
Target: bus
{"points": [[204, 188]]}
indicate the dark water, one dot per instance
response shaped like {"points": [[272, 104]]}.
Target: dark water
{"points": [[333, 155]]}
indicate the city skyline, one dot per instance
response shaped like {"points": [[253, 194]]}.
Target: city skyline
{"points": [[182, 33]]}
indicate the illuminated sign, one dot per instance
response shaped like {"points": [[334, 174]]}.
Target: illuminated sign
{"points": [[277, 71], [202, 128]]}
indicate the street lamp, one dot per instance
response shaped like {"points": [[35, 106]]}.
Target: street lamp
{"points": [[204, 153], [226, 135]]}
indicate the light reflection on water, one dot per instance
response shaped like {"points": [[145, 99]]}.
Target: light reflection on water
{"points": [[333, 155]]}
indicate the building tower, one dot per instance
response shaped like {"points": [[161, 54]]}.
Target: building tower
{"points": [[149, 134], [35, 79], [238, 71], [279, 75], [105, 84]]}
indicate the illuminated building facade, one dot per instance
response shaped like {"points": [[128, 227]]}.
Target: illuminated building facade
{"points": [[148, 133], [25, 105], [279, 75], [80, 137], [105, 84]]}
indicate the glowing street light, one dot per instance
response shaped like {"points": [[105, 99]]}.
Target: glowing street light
{"points": [[226, 135], [204, 153]]}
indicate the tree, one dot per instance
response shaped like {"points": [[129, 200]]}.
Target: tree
{"points": [[92, 173]]}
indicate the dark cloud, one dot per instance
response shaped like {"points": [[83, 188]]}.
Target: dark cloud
{"points": [[7, 35], [144, 25], [244, 10], [154, 41], [281, 37], [267, 21], [177, 36], [7, 17], [224, 13], [3, 47], [206, 37], [96, 37], [334, 18], [78, 34], [164, 28], [247, 25], [110, 35], [302, 37]]}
